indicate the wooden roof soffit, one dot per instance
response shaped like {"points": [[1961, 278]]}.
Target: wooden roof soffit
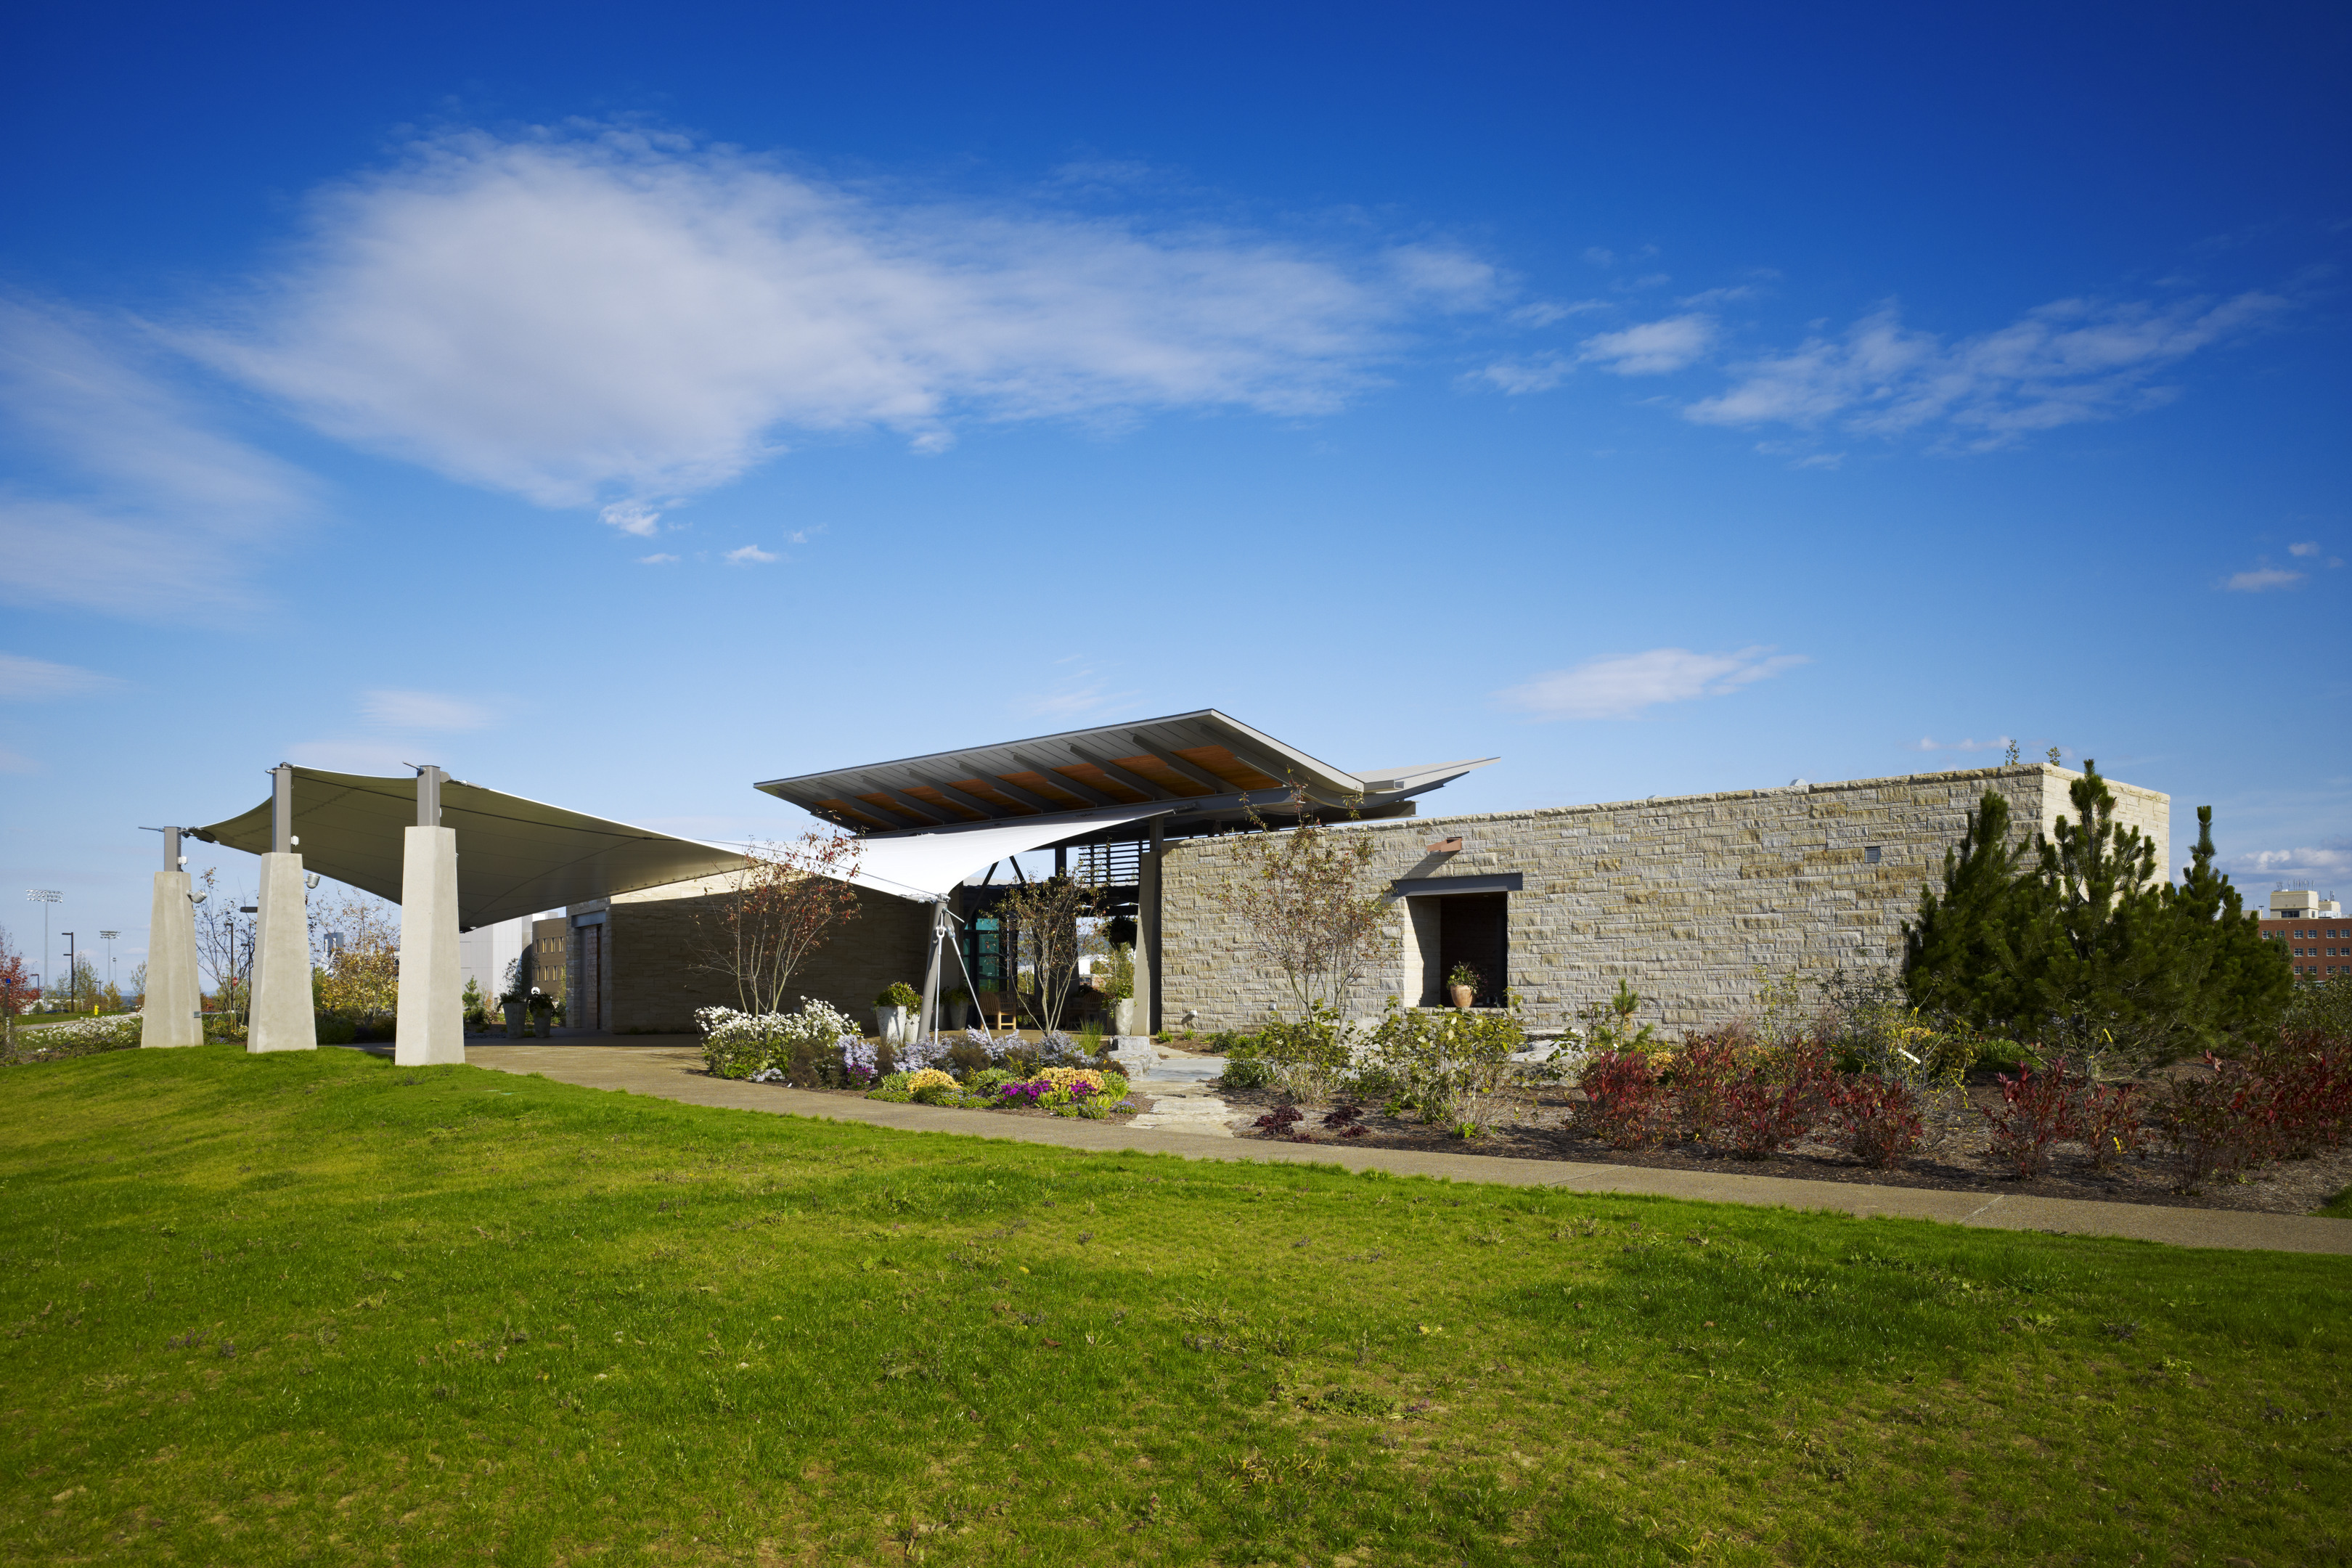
{"points": [[1054, 778], [1184, 767], [1152, 789]]}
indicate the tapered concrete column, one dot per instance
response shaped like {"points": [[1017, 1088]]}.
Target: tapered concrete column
{"points": [[283, 1018], [170, 1013], [432, 1022]]}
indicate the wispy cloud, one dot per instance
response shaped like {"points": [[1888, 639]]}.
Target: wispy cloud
{"points": [[25, 679], [1518, 377], [2261, 580], [1625, 685], [656, 559], [425, 711], [1081, 690], [1652, 348], [2320, 861], [380, 758], [751, 554], [16, 762], [1929, 743], [2072, 361], [124, 500], [2308, 547], [600, 317]]}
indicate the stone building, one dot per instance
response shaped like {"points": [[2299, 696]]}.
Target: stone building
{"points": [[1690, 899]]}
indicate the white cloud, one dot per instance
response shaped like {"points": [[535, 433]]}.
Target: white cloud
{"points": [[2334, 861], [1652, 348], [25, 679], [751, 553], [1544, 312], [1718, 296], [2065, 363], [655, 559], [602, 316], [1928, 743], [425, 711], [2260, 579], [1515, 377], [2309, 547], [1081, 690], [632, 517], [1621, 686], [124, 502]]}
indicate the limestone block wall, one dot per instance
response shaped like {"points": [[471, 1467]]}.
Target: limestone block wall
{"points": [[657, 980], [1686, 898]]}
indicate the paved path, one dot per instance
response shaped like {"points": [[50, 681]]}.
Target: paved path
{"points": [[671, 1066]]}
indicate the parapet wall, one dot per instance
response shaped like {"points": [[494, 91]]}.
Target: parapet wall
{"points": [[1691, 900]]}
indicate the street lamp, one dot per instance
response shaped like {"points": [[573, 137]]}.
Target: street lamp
{"points": [[109, 936], [73, 974], [44, 896]]}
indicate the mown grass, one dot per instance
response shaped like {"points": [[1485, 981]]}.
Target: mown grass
{"points": [[315, 1308]]}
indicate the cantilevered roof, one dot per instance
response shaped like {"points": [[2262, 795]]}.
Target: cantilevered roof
{"points": [[1205, 765], [515, 856]]}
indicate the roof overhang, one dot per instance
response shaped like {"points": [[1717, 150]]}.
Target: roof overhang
{"points": [[1204, 767], [515, 856]]}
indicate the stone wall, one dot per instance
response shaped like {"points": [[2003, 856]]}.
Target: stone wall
{"points": [[657, 980], [1691, 900]]}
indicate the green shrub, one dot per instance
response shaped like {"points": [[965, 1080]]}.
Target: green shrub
{"points": [[898, 994], [336, 1029], [1247, 1072]]}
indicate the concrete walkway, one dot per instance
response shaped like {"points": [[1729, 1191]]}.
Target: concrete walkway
{"points": [[671, 1066]]}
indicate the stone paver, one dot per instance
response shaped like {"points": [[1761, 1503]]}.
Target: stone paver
{"points": [[670, 1067]]}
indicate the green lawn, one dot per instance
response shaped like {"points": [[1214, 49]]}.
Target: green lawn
{"points": [[316, 1308]]}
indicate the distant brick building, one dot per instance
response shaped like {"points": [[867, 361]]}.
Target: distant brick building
{"points": [[2313, 929]]}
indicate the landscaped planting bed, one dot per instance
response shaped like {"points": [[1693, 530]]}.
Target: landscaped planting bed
{"points": [[315, 1308]]}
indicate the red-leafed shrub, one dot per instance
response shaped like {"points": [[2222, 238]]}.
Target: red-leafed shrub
{"points": [[2106, 1120], [2306, 1079], [1777, 1099], [1703, 1076], [2219, 1120], [1877, 1120], [2037, 1110], [1623, 1100]]}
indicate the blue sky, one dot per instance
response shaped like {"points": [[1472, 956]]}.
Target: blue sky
{"points": [[620, 407]]}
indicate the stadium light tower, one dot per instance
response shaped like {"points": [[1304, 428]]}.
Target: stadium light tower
{"points": [[44, 896]]}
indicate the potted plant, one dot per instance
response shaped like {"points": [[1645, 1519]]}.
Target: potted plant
{"points": [[958, 1008], [1462, 986], [542, 1012], [1119, 989], [890, 1011]]}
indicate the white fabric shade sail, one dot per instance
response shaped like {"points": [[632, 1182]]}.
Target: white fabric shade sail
{"points": [[515, 856], [928, 865]]}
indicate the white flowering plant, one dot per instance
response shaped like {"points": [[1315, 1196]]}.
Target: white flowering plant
{"points": [[81, 1037], [817, 1045]]}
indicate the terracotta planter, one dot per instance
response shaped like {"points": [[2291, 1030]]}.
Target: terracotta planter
{"points": [[1462, 995]]}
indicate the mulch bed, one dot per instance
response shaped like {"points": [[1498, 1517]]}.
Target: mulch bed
{"points": [[1951, 1158]]}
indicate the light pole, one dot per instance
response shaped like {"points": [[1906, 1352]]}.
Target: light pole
{"points": [[109, 936], [73, 974], [44, 896]]}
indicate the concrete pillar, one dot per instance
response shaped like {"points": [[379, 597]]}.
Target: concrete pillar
{"points": [[283, 1018], [170, 1013], [1146, 929], [431, 1028]]}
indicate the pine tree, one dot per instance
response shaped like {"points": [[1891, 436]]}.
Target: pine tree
{"points": [[2243, 982], [1958, 960], [2107, 972]]}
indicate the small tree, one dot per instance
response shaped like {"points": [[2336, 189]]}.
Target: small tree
{"points": [[1306, 900], [1052, 930], [774, 912], [1957, 958], [19, 993], [360, 976], [225, 939]]}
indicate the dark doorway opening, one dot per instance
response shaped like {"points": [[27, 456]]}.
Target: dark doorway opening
{"points": [[1473, 929]]}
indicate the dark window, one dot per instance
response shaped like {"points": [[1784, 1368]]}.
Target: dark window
{"points": [[1869, 855]]}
